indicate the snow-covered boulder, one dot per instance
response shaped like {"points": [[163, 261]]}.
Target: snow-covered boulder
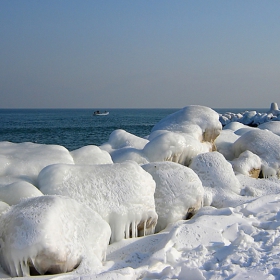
{"points": [[217, 177], [125, 154], [122, 193], [273, 126], [26, 160], [234, 126], [3, 207], [264, 144], [124, 146], [52, 234], [248, 164], [244, 130], [120, 138], [274, 109], [175, 147], [199, 121], [224, 143], [179, 192], [13, 193], [91, 155]]}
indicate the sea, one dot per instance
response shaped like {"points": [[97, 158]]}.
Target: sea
{"points": [[75, 128]]}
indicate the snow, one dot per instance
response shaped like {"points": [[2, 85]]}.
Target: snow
{"points": [[179, 192], [91, 155], [122, 193], [25, 160], [13, 193], [62, 211], [264, 144], [246, 163], [52, 233], [217, 176]]}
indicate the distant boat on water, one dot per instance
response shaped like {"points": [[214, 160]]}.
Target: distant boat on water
{"points": [[98, 113]]}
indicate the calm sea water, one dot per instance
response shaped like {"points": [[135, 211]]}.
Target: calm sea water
{"points": [[75, 128]]}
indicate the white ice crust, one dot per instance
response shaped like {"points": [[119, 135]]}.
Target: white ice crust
{"points": [[246, 162], [26, 160], [90, 155], [217, 177], [264, 144], [178, 194], [175, 147], [235, 235], [13, 193], [52, 234], [199, 121], [122, 193]]}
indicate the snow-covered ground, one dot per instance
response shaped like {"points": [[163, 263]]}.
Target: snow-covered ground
{"points": [[199, 198]]}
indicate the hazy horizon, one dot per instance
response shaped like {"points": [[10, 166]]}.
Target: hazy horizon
{"points": [[139, 54]]}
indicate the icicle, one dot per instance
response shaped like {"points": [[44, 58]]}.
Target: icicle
{"points": [[127, 230], [133, 229], [24, 268], [145, 227]]}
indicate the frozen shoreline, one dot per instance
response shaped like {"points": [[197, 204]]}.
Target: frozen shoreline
{"points": [[141, 191]]}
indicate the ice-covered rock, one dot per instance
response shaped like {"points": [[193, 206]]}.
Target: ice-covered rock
{"points": [[120, 138], [248, 164], [273, 126], [217, 177], [263, 143], [243, 130], [91, 155], [224, 143], [274, 108], [26, 160], [13, 193], [179, 192], [122, 193], [234, 126], [124, 154], [124, 146], [199, 121], [248, 117], [51, 234], [175, 147], [3, 207], [252, 118]]}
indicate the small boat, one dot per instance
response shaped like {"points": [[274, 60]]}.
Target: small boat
{"points": [[98, 113]]}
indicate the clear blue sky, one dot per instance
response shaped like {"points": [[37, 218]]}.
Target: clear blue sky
{"points": [[139, 54]]}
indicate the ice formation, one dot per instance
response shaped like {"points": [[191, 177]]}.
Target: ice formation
{"points": [[175, 147], [91, 155], [252, 118], [179, 192], [272, 126], [120, 139], [199, 121], [240, 240], [263, 143], [13, 193], [51, 234], [248, 164], [26, 160], [217, 177], [3, 207], [125, 154], [224, 143], [122, 193]]}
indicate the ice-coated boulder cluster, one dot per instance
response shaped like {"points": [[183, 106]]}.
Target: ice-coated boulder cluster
{"points": [[60, 210], [252, 118]]}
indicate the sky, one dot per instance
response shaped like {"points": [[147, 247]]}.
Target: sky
{"points": [[139, 54]]}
